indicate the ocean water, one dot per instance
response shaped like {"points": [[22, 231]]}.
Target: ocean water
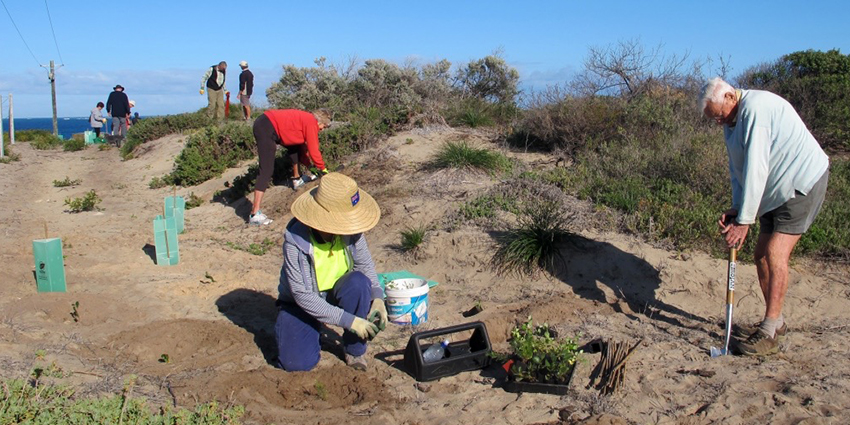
{"points": [[67, 126]]}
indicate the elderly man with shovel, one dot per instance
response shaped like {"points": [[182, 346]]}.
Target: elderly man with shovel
{"points": [[779, 175]]}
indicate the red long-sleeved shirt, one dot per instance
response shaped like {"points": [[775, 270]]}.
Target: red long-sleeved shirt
{"points": [[296, 127]]}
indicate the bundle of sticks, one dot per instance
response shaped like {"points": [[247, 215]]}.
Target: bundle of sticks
{"points": [[610, 372]]}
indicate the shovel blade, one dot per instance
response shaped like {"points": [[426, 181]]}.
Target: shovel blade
{"points": [[717, 352]]}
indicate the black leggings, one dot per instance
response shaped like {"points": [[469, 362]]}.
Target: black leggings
{"points": [[267, 140], [96, 131]]}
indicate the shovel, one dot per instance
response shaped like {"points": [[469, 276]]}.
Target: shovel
{"points": [[730, 296]]}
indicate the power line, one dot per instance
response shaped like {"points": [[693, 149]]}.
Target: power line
{"points": [[54, 33], [19, 32]]}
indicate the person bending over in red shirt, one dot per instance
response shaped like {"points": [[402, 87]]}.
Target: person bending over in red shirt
{"points": [[297, 131]]}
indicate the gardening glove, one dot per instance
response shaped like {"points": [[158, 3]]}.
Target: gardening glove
{"points": [[323, 172], [364, 328], [378, 310], [202, 91]]}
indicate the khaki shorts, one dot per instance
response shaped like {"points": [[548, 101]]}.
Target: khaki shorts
{"points": [[245, 100], [795, 216]]}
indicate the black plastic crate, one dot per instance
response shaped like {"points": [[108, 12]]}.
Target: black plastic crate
{"points": [[470, 354]]}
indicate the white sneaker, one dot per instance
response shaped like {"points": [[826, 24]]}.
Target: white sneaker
{"points": [[259, 219], [296, 183], [308, 177]]}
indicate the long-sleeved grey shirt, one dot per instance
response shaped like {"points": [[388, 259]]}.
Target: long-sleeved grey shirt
{"points": [[298, 276], [771, 155]]}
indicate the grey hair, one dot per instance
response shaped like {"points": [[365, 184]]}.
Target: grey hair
{"points": [[713, 92]]}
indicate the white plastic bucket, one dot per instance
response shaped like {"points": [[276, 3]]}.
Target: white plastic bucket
{"points": [[407, 301]]}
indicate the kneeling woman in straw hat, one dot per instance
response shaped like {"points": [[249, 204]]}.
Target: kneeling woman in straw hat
{"points": [[328, 275]]}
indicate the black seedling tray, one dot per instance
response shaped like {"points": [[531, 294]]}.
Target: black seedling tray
{"points": [[470, 354], [513, 386]]}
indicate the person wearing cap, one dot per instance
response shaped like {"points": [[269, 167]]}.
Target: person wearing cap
{"points": [[298, 131], [328, 275], [213, 82], [246, 89], [96, 119], [118, 106]]}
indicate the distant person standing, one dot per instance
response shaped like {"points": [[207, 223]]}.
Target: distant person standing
{"points": [[118, 106], [129, 117], [136, 118], [213, 83], [246, 89], [96, 118]]}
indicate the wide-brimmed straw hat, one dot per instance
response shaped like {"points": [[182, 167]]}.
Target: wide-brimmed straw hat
{"points": [[337, 206]]}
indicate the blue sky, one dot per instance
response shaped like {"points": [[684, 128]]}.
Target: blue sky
{"points": [[158, 50]]}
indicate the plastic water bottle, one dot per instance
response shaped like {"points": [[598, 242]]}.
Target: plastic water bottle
{"points": [[435, 352]]}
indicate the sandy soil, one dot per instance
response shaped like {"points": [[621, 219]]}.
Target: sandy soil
{"points": [[217, 332]]}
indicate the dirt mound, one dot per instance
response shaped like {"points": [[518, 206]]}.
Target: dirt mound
{"points": [[187, 343]]}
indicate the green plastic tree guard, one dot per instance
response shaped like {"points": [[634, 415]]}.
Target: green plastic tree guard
{"points": [[174, 207], [165, 239], [49, 265]]}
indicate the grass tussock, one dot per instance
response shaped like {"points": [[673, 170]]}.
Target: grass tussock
{"points": [[535, 242], [462, 155], [413, 237]]}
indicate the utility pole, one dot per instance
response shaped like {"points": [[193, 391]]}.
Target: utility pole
{"points": [[11, 120], [52, 77], [2, 148]]}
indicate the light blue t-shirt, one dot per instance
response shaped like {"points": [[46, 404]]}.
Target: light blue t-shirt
{"points": [[771, 154]]}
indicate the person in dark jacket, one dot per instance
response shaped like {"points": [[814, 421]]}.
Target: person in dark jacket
{"points": [[213, 82], [118, 106], [246, 89]]}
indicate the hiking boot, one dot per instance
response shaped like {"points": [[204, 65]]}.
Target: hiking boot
{"points": [[296, 183], [259, 219], [743, 332], [758, 344], [356, 362]]}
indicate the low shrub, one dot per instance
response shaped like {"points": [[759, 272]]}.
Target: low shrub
{"points": [[194, 201], [73, 145], [39, 403], [485, 206], [156, 127], [461, 155], [254, 248], [31, 135], [160, 182], [8, 155], [67, 182], [88, 202], [541, 357], [212, 150], [46, 141]]}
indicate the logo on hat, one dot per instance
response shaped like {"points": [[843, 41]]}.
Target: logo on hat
{"points": [[355, 199]]}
